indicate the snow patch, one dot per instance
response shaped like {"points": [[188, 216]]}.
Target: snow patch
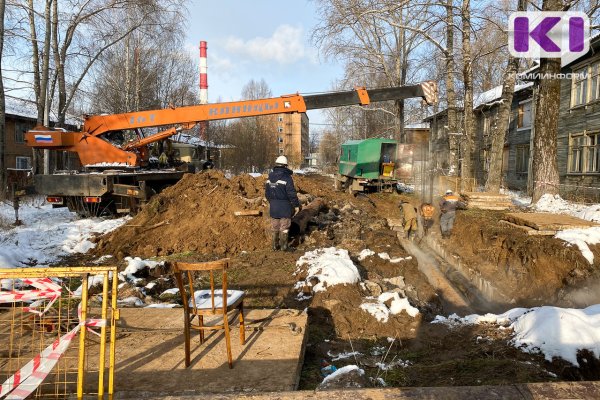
{"points": [[161, 305], [342, 371], [364, 254], [134, 265], [131, 302], [330, 266], [343, 356], [381, 311], [553, 331], [581, 237], [47, 234]]}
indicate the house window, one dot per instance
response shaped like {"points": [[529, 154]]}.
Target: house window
{"points": [[483, 155], [522, 159], [280, 129], [524, 117], [280, 118], [280, 152], [487, 125], [593, 153], [23, 163], [580, 87], [279, 139], [20, 129], [576, 154], [595, 82]]}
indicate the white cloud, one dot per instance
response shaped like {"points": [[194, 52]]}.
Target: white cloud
{"points": [[285, 46]]}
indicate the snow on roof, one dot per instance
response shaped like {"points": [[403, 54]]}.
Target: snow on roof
{"points": [[28, 109], [421, 125], [196, 141], [494, 94]]}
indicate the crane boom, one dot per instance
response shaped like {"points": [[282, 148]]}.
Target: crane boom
{"points": [[93, 149]]}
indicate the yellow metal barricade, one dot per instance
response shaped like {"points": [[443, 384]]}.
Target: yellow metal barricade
{"points": [[69, 312]]}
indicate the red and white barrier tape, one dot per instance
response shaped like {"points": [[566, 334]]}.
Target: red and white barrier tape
{"points": [[32, 374], [47, 290]]}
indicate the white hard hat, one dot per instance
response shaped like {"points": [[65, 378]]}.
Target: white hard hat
{"points": [[448, 191], [282, 160]]}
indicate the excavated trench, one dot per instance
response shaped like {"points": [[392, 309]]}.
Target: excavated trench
{"points": [[476, 292]]}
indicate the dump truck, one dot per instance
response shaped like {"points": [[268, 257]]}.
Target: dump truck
{"points": [[367, 165], [118, 175]]}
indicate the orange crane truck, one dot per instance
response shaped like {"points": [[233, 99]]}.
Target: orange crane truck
{"points": [[116, 177]]}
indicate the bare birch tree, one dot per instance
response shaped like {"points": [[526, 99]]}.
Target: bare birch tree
{"points": [[372, 39], [2, 106], [547, 104], [466, 171], [500, 127]]}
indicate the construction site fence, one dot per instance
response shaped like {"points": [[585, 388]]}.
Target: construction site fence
{"points": [[57, 332]]}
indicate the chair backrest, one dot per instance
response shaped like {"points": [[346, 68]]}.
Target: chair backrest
{"points": [[182, 269]]}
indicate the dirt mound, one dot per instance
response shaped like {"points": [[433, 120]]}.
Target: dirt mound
{"points": [[195, 215]]}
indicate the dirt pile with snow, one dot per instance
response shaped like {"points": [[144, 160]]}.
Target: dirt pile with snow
{"points": [[195, 215]]}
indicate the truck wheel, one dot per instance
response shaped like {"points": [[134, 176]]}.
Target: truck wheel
{"points": [[337, 184], [349, 186]]}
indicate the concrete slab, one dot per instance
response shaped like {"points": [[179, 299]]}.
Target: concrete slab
{"points": [[527, 391], [150, 354]]}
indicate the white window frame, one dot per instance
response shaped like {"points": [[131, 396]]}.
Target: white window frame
{"points": [[592, 153], [579, 156], [594, 73], [20, 159], [523, 104], [522, 151]]}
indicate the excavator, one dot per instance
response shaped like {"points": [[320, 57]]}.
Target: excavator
{"points": [[116, 178]]}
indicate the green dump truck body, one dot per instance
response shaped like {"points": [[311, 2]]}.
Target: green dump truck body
{"points": [[364, 158]]}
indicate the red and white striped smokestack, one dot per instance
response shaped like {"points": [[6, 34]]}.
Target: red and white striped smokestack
{"points": [[203, 74]]}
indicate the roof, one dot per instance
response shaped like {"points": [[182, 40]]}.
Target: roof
{"points": [[28, 109], [196, 141], [421, 125], [491, 96]]}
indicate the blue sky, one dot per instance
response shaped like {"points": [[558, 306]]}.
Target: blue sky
{"points": [[260, 39]]}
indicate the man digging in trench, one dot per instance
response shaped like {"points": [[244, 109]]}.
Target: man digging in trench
{"points": [[283, 202]]}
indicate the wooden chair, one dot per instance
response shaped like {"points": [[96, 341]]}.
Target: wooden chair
{"points": [[208, 302]]}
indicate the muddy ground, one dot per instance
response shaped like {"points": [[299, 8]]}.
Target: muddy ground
{"points": [[194, 221]]}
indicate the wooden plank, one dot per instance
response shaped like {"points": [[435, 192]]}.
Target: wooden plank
{"points": [[528, 230], [548, 221], [248, 213]]}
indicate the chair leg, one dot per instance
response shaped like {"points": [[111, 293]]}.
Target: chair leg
{"points": [[201, 331], [242, 326], [227, 339], [186, 334]]}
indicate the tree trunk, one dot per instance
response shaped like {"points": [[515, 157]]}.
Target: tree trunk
{"points": [[450, 91], [467, 148], [2, 108], [301, 220], [501, 126], [499, 129], [544, 166]]}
